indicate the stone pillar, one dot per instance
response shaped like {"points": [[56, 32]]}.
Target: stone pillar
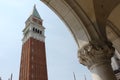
{"points": [[97, 58]]}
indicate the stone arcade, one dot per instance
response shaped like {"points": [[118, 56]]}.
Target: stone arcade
{"points": [[95, 25]]}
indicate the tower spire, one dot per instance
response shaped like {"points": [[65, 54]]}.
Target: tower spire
{"points": [[74, 76], [35, 12], [85, 77], [11, 76]]}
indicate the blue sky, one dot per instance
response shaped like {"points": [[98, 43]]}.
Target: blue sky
{"points": [[61, 49]]}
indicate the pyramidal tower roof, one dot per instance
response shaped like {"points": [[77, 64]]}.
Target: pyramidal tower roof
{"points": [[35, 12]]}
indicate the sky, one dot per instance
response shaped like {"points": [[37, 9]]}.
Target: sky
{"points": [[61, 49]]}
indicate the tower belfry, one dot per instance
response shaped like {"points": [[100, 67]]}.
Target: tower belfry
{"points": [[33, 59]]}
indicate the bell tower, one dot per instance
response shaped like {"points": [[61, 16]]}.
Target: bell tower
{"points": [[33, 59]]}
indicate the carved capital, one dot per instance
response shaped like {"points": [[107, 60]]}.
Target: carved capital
{"points": [[94, 54]]}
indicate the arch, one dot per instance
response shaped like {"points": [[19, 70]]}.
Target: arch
{"points": [[36, 30], [114, 17], [113, 27], [33, 29], [113, 35], [76, 20]]}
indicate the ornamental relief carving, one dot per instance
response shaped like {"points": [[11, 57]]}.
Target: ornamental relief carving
{"points": [[92, 54]]}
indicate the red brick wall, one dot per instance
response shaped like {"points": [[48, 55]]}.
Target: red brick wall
{"points": [[33, 61]]}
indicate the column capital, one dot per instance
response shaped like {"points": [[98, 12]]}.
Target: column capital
{"points": [[94, 54]]}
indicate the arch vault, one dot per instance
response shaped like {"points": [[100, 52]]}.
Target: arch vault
{"points": [[95, 26]]}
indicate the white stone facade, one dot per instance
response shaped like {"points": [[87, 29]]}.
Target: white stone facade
{"points": [[29, 32]]}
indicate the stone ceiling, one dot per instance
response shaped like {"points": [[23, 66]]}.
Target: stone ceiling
{"points": [[87, 13]]}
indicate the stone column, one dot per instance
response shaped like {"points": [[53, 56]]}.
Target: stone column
{"points": [[97, 58]]}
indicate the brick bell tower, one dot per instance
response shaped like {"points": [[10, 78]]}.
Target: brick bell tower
{"points": [[33, 60]]}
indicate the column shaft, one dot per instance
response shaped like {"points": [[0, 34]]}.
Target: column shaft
{"points": [[102, 72]]}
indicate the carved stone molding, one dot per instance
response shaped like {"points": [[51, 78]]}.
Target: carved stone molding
{"points": [[95, 54]]}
